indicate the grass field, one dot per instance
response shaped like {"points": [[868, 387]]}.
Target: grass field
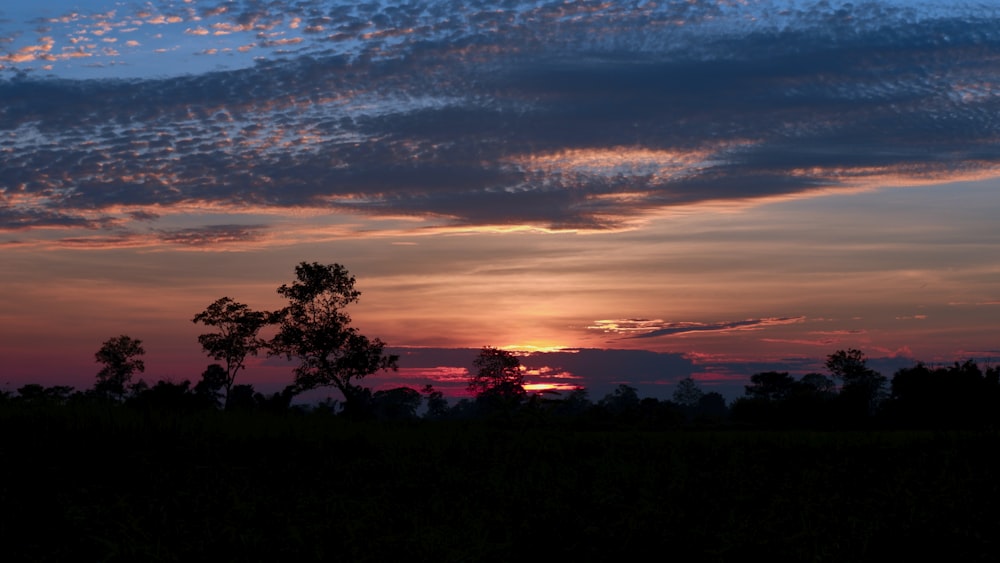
{"points": [[115, 484]]}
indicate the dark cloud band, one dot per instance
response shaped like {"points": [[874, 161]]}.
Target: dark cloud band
{"points": [[523, 114]]}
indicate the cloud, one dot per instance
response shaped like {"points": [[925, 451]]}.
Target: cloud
{"points": [[213, 235], [579, 116], [645, 328], [20, 219]]}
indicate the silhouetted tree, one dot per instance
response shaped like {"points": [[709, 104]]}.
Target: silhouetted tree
{"points": [[960, 396], [499, 378], [652, 412], [327, 406], [168, 396], [464, 409], [575, 403], [213, 381], [770, 386], [40, 395], [276, 403], [437, 405], [816, 383], [238, 326], [687, 393], [241, 398], [120, 356], [400, 403], [623, 402], [712, 407], [861, 388], [315, 329]]}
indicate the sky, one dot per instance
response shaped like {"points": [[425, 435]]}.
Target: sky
{"points": [[622, 192]]}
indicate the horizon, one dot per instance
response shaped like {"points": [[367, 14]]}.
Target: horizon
{"points": [[622, 192]]}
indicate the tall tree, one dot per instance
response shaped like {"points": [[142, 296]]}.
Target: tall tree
{"points": [[120, 356], [236, 338], [315, 329]]}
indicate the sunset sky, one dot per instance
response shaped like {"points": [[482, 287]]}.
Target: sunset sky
{"points": [[628, 192]]}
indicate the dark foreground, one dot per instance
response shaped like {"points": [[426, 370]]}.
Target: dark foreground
{"points": [[121, 485]]}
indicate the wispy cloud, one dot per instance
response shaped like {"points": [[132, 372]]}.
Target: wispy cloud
{"points": [[213, 235], [643, 328]]}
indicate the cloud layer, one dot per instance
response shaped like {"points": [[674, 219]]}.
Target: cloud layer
{"points": [[580, 115]]}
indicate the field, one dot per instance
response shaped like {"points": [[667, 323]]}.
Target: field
{"points": [[115, 484]]}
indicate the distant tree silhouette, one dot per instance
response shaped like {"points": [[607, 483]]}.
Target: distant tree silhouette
{"points": [[776, 400], [36, 394], [120, 356], [328, 406], [862, 388], [315, 329], [210, 386], [623, 402], [241, 398], [770, 386], [169, 396], [712, 407], [575, 403], [400, 403], [654, 413], [236, 338], [959, 396], [499, 378], [276, 403], [816, 383], [687, 393], [464, 409], [437, 405]]}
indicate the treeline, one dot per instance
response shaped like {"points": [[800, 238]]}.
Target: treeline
{"points": [[851, 396]]}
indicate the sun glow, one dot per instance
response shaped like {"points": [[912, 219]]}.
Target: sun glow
{"points": [[549, 387], [526, 349]]}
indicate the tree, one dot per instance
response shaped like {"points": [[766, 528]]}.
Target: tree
{"points": [[400, 403], [315, 329], [212, 381], [687, 394], [847, 365], [237, 337], [576, 401], [861, 385], [120, 356], [39, 395], [437, 405], [498, 375], [770, 386], [816, 384], [623, 401], [712, 405]]}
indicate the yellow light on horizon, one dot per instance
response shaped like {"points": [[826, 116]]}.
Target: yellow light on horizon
{"points": [[524, 349]]}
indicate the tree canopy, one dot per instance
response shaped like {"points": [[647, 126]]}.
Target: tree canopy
{"points": [[315, 329], [236, 338], [861, 385], [120, 356], [498, 374]]}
